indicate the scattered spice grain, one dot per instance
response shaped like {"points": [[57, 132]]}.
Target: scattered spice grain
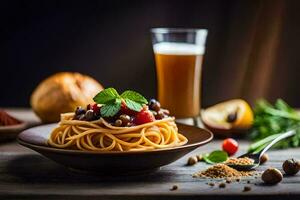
{"points": [[174, 187], [211, 184], [228, 180], [247, 188], [222, 185]]}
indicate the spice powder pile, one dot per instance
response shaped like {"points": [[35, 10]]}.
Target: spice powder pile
{"points": [[222, 171]]}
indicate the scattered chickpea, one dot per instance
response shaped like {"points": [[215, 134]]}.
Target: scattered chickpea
{"points": [[272, 176], [192, 160], [118, 122], [199, 157], [264, 158], [125, 119], [291, 167]]}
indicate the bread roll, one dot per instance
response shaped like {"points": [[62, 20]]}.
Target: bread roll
{"points": [[63, 92]]}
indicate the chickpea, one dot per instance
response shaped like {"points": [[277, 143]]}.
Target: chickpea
{"points": [[272, 176], [192, 160], [118, 122], [89, 115], [199, 157], [291, 167], [125, 119], [264, 158], [159, 115]]}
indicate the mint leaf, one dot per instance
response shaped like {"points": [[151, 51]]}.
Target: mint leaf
{"points": [[217, 156], [106, 96], [132, 105], [111, 101], [134, 96], [109, 110]]}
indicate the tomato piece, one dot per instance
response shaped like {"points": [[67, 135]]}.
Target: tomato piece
{"points": [[230, 146], [126, 110], [144, 116]]}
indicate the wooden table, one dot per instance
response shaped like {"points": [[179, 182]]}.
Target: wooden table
{"points": [[24, 174]]}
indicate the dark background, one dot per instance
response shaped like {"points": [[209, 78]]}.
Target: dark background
{"points": [[110, 41]]}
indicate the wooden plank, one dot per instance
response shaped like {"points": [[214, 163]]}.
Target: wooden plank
{"points": [[157, 190], [23, 174]]}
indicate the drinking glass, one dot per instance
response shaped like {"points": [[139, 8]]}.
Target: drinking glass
{"points": [[178, 57]]}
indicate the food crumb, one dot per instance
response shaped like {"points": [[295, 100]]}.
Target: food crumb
{"points": [[199, 157], [174, 187], [247, 188], [222, 185], [211, 184], [228, 180]]}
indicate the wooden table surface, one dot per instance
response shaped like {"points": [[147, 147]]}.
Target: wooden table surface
{"points": [[24, 174]]}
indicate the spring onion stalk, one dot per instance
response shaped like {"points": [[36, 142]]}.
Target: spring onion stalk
{"points": [[272, 120]]}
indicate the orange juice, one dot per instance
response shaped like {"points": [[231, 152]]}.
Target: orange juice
{"points": [[178, 68]]}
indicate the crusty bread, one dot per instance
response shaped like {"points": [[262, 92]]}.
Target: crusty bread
{"points": [[63, 92]]}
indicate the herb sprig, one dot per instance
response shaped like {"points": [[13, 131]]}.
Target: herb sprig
{"points": [[112, 100], [272, 120]]}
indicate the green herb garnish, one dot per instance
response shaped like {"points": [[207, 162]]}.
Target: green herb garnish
{"points": [[217, 156], [111, 101], [272, 120]]}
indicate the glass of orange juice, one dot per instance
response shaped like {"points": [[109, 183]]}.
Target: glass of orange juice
{"points": [[178, 56]]}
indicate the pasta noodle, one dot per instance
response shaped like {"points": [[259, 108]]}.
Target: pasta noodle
{"points": [[99, 135]]}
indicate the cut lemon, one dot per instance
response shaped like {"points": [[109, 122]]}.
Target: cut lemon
{"points": [[235, 114]]}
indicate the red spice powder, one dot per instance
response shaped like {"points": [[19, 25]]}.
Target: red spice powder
{"points": [[7, 120]]}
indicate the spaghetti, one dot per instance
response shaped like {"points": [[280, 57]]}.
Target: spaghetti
{"points": [[99, 135]]}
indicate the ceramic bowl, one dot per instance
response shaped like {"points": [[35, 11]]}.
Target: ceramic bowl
{"points": [[113, 162]]}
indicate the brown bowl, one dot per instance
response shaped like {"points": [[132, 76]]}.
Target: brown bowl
{"points": [[113, 162], [10, 132]]}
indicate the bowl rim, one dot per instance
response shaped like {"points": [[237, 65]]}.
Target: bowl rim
{"points": [[18, 126], [69, 151]]}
